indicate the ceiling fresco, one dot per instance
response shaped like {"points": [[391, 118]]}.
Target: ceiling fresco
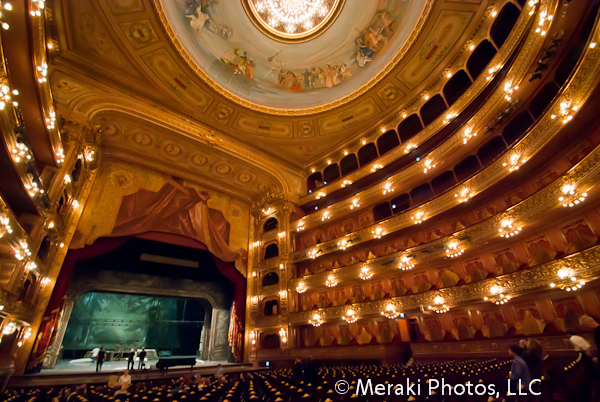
{"points": [[232, 52]]}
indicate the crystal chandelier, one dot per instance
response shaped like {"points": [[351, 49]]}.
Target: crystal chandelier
{"points": [[350, 317], [316, 320], [567, 280], [365, 274], [301, 288], [439, 306], [496, 296], [330, 282], [390, 311], [570, 197], [293, 19], [405, 263]]}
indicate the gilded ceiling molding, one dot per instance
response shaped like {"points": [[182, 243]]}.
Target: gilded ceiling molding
{"points": [[585, 175], [585, 263], [93, 104], [497, 102], [576, 92], [166, 26]]}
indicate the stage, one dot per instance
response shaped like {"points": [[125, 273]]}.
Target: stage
{"points": [[66, 373]]}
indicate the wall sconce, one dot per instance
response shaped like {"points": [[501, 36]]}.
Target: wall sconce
{"points": [[464, 195], [281, 235], [326, 216], [428, 166], [344, 244], [9, 328], [283, 335], [570, 197], [453, 250], [253, 337], [405, 263], [409, 148], [387, 188], [507, 230], [60, 155], [267, 211], [377, 232], [449, 116], [300, 228], [22, 250], [301, 288], [320, 194], [351, 317], [365, 274], [30, 266], [346, 183], [543, 18], [316, 320], [567, 280], [355, 204], [5, 227], [376, 167], [566, 112], [21, 152], [497, 296], [439, 306], [514, 163], [418, 217], [468, 135], [390, 312], [331, 281], [509, 89], [313, 253]]}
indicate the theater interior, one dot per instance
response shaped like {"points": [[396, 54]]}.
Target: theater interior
{"points": [[283, 195]]}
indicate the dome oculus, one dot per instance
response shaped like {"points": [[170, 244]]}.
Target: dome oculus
{"points": [[292, 20]]}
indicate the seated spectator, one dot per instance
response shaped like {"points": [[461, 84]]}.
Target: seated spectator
{"points": [[124, 379], [122, 390]]}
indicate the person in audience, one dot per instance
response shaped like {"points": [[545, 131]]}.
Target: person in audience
{"points": [[310, 371], [142, 356], [591, 373], [125, 378], [534, 357], [100, 358], [518, 369], [219, 373], [588, 322], [122, 390], [297, 371], [130, 359]]}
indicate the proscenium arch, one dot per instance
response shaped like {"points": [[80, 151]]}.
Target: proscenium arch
{"points": [[89, 106]]}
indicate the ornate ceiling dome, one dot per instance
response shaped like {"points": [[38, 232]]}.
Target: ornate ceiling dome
{"points": [[293, 56]]}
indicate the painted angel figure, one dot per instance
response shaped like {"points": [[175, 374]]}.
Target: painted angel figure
{"points": [[198, 22], [276, 66]]}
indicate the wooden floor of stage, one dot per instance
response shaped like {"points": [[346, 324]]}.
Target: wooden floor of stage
{"points": [[66, 373]]}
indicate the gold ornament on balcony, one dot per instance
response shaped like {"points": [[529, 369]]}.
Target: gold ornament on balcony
{"points": [[365, 274], [331, 281], [453, 249], [507, 229], [316, 320], [391, 311], [570, 197], [567, 280], [351, 317], [497, 296], [301, 288]]}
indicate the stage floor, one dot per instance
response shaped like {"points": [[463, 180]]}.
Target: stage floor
{"points": [[66, 367]]}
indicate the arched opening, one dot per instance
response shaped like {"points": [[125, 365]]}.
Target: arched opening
{"points": [[271, 341], [271, 251], [270, 224], [367, 154], [271, 308], [314, 181], [270, 279], [348, 164]]}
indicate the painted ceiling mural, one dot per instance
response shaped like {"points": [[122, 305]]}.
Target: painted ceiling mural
{"points": [[227, 46]]}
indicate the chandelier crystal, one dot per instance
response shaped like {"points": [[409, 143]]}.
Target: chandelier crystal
{"points": [[291, 20]]}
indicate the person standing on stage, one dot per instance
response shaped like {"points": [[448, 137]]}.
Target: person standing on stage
{"points": [[100, 358], [95, 354], [130, 359], [142, 359]]}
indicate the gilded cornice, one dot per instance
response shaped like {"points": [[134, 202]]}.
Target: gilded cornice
{"points": [[577, 91], [586, 264], [585, 175], [495, 104], [183, 53]]}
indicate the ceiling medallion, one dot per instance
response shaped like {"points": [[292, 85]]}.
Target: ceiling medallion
{"points": [[293, 20]]}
